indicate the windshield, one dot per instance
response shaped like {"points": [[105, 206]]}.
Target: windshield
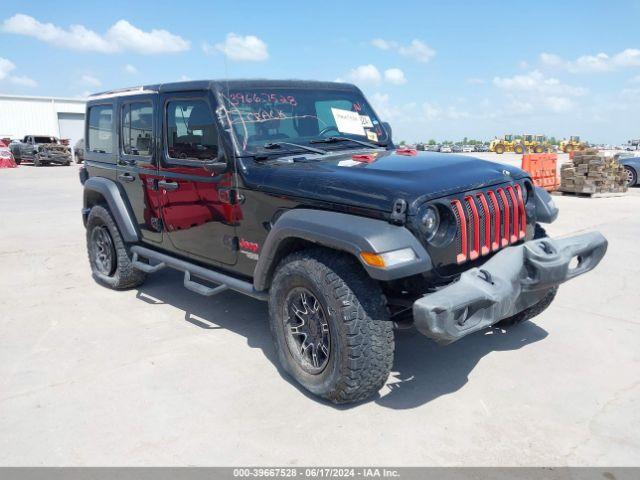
{"points": [[263, 116], [44, 140]]}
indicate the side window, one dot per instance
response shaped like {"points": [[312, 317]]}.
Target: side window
{"points": [[100, 129], [191, 131], [136, 128]]}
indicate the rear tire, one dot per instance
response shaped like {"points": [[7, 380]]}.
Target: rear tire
{"points": [[519, 149], [538, 149], [632, 176], [352, 336], [109, 257]]}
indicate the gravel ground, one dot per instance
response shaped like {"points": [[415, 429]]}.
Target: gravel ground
{"points": [[162, 376]]}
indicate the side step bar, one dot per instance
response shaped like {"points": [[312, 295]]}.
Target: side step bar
{"points": [[226, 282]]}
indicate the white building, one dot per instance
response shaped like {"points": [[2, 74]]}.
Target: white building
{"points": [[58, 117]]}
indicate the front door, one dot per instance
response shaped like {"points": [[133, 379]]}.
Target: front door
{"points": [[196, 209]]}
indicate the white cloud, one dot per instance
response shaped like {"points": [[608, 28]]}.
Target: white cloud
{"points": [[630, 94], [392, 111], [365, 74], [238, 48], [635, 79], [384, 44], [476, 81], [600, 62], [5, 67], [130, 69], [535, 81], [417, 49], [395, 76], [531, 91], [90, 80], [23, 81], [431, 112], [120, 37], [184, 78]]}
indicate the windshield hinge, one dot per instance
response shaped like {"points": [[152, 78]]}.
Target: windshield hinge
{"points": [[399, 212]]}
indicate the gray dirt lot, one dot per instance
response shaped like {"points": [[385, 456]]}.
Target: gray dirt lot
{"points": [[162, 376]]}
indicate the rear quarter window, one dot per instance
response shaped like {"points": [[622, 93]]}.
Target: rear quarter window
{"points": [[100, 137]]}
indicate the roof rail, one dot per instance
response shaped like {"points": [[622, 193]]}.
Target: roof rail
{"points": [[122, 91]]}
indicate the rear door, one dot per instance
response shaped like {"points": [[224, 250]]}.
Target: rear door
{"points": [[138, 162], [196, 210]]}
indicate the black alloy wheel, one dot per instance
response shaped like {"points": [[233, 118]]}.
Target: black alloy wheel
{"points": [[104, 254], [307, 330]]}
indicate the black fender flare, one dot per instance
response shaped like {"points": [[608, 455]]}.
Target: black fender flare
{"points": [[546, 209], [122, 215], [340, 231]]}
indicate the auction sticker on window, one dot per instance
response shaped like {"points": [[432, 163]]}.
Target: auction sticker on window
{"points": [[348, 121]]}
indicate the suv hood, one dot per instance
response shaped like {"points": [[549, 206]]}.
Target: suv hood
{"points": [[376, 183]]}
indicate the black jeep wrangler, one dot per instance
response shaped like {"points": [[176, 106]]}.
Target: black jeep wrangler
{"points": [[292, 192]]}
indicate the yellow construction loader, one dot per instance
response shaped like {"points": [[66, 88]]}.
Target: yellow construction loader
{"points": [[572, 144], [507, 143], [533, 143]]}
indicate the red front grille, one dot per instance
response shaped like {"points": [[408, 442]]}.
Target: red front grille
{"points": [[488, 221]]}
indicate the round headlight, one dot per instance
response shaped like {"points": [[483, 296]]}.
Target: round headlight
{"points": [[429, 222]]}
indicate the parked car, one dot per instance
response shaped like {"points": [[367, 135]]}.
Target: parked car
{"points": [[279, 190], [446, 149], [78, 150], [468, 148], [481, 147], [631, 164], [41, 150], [456, 148]]}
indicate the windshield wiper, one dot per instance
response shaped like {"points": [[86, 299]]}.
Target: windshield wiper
{"points": [[347, 139], [273, 145]]}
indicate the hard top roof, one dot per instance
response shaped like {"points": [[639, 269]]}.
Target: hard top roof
{"points": [[221, 85]]}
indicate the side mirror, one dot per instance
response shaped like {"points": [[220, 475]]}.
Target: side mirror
{"points": [[219, 165], [387, 127]]}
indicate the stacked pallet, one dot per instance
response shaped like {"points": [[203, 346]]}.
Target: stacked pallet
{"points": [[592, 173]]}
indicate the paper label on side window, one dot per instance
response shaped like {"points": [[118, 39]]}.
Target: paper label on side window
{"points": [[366, 121], [348, 121], [373, 136]]}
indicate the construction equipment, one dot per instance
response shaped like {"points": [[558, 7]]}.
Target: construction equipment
{"points": [[573, 144], [507, 143], [533, 143]]}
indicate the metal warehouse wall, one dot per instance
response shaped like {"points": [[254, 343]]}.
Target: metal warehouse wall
{"points": [[20, 116]]}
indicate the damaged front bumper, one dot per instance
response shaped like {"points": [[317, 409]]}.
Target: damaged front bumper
{"points": [[512, 280]]}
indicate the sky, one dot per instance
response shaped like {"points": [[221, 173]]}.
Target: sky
{"points": [[439, 70]]}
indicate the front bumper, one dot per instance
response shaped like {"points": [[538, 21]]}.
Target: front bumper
{"points": [[512, 280], [57, 158]]}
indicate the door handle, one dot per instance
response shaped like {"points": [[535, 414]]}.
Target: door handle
{"points": [[126, 177], [168, 185]]}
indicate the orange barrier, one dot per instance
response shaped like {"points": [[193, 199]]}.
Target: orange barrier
{"points": [[543, 169]]}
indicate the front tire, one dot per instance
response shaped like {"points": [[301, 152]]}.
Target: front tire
{"points": [[499, 149], [519, 149], [109, 256], [330, 325]]}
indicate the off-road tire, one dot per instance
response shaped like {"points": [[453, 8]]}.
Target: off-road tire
{"points": [[632, 176], [124, 275], [519, 149], [499, 149], [529, 313], [361, 334], [538, 149]]}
